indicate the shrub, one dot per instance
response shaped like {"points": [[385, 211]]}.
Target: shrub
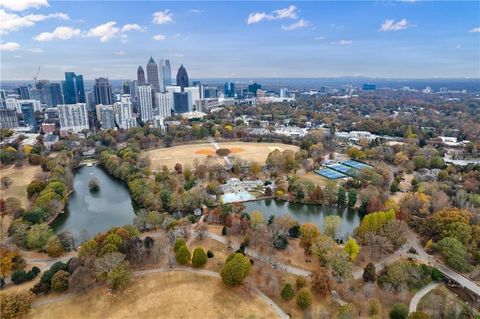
{"points": [[369, 273], [16, 304], [287, 292], [399, 311], [235, 269], [304, 298], [183, 255], [300, 281], [60, 280], [54, 247], [120, 276], [223, 152], [224, 231], [21, 276], [36, 270], [178, 243], [199, 257], [210, 254]]}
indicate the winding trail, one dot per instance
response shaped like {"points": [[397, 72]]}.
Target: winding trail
{"points": [[420, 294]]}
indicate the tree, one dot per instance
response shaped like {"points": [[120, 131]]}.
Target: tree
{"points": [[178, 243], [6, 181], [15, 304], [340, 265], [38, 236], [94, 185], [256, 218], [369, 273], [309, 232], [341, 197], [352, 197], [6, 260], [455, 254], [235, 269], [60, 280], [375, 308], [183, 255], [120, 276], [199, 257], [35, 187], [12, 206], [81, 279], [304, 298], [352, 248], [287, 292], [331, 225], [54, 247], [399, 311], [321, 283]]}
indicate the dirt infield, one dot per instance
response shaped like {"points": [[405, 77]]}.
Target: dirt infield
{"points": [[205, 152]]}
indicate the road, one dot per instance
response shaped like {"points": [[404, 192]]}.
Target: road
{"points": [[420, 294]]}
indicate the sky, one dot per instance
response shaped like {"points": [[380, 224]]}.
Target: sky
{"points": [[222, 39]]}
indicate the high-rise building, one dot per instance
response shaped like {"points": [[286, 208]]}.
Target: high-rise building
{"points": [[229, 89], [74, 91], [126, 87], [13, 104], [283, 92], [3, 99], [152, 74], [161, 83], [102, 91], [8, 118], [180, 102], [28, 113], [210, 92], [140, 76], [24, 92], [145, 102], [164, 102], [193, 96], [123, 111], [133, 88], [182, 77], [252, 88], [56, 95], [42, 91], [369, 87], [167, 73], [73, 117], [105, 116]]}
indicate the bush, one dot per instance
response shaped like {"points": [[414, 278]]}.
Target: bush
{"points": [[54, 247], [36, 270], [399, 311], [60, 280], [304, 298], [183, 255], [300, 281], [21, 276], [178, 243], [120, 276], [224, 231], [16, 304], [369, 273], [287, 292], [223, 152], [235, 269], [210, 254], [199, 257]]}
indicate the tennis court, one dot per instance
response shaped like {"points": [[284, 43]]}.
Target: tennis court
{"points": [[355, 164], [343, 169], [330, 173]]}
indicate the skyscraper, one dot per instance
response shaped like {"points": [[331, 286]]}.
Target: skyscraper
{"points": [[28, 112], [24, 92], [140, 76], [229, 89], [167, 73], [8, 118], [180, 102], [182, 77], [145, 102], [105, 116], [160, 75], [252, 88], [42, 92], [102, 92], [56, 95], [152, 74], [164, 102], [74, 91], [73, 117], [123, 112], [126, 87]]}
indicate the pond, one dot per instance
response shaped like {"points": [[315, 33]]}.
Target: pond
{"points": [[89, 213], [304, 213]]}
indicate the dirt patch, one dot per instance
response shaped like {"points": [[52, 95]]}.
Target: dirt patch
{"points": [[205, 152]]}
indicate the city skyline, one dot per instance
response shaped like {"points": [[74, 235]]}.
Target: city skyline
{"points": [[384, 39]]}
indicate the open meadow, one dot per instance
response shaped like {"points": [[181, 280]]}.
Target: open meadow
{"points": [[187, 154]]}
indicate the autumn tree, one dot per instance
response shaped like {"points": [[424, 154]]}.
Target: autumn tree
{"points": [[369, 273], [304, 298], [309, 232], [236, 268], [352, 248], [331, 225], [321, 283]]}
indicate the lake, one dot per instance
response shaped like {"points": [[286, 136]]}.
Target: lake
{"points": [[304, 213], [89, 213]]}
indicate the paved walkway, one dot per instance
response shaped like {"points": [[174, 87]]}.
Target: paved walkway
{"points": [[420, 294]]}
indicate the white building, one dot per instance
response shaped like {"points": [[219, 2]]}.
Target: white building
{"points": [[193, 96], [14, 104], [73, 117], [158, 122], [105, 116], [164, 103], [123, 112], [145, 101]]}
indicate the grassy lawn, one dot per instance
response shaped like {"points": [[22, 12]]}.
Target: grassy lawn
{"points": [[315, 178], [162, 295], [187, 154]]}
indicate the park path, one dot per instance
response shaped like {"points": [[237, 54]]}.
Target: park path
{"points": [[420, 294], [281, 314]]}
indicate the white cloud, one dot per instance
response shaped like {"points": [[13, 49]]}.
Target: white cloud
{"points": [[286, 13], [119, 53], [159, 37], [60, 33], [475, 30], [104, 31], [296, 25], [22, 5], [10, 46], [36, 50], [14, 22], [162, 17], [392, 25], [319, 38], [342, 42], [132, 27]]}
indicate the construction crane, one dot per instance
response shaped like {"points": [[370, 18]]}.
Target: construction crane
{"points": [[36, 76]]}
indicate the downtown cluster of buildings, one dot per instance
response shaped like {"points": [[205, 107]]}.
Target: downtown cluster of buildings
{"points": [[149, 99]]}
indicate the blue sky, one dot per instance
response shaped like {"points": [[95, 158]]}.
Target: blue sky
{"points": [[394, 39]]}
